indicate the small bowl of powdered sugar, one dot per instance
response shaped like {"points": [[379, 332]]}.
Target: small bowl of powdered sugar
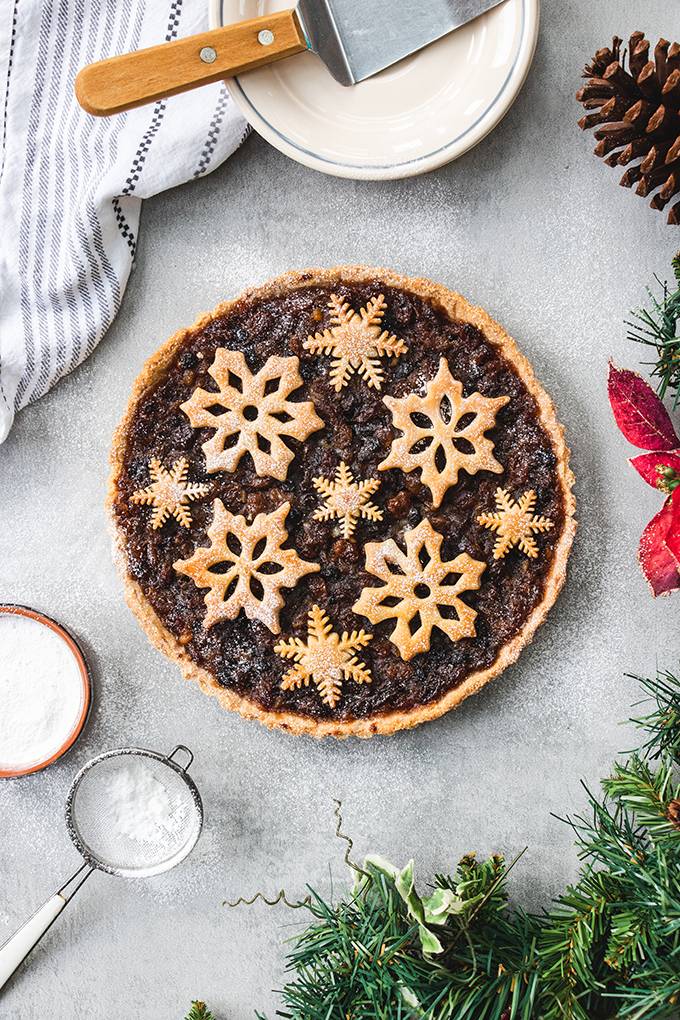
{"points": [[45, 691]]}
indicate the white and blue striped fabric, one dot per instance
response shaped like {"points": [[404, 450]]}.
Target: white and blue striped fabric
{"points": [[71, 185]]}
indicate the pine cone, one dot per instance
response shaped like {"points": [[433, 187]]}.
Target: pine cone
{"points": [[637, 115], [673, 813]]}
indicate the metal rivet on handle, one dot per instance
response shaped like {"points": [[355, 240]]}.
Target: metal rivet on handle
{"points": [[265, 37], [208, 55]]}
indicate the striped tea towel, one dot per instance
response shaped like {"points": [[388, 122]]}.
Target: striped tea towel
{"points": [[71, 185]]}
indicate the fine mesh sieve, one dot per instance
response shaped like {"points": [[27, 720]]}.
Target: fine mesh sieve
{"points": [[130, 812], [134, 813]]}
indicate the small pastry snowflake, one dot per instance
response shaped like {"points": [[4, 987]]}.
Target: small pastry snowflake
{"points": [[245, 567], [325, 659], [356, 342], [169, 492], [515, 524], [419, 589], [346, 500]]}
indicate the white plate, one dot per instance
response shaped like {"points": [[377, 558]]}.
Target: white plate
{"points": [[411, 118]]}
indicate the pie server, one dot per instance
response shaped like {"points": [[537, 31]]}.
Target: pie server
{"points": [[354, 38]]}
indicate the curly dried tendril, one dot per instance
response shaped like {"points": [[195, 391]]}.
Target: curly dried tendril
{"points": [[346, 839], [282, 896]]}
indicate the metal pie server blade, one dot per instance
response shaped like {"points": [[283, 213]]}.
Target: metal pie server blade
{"points": [[358, 38]]}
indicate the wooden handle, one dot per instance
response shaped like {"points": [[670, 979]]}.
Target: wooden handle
{"points": [[121, 83]]}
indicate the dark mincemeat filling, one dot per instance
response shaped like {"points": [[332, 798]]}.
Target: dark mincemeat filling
{"points": [[239, 653]]}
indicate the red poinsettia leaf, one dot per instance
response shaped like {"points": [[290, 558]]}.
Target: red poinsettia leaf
{"points": [[647, 465], [658, 563], [673, 533], [639, 412]]}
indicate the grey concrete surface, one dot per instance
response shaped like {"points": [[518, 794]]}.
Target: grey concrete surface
{"points": [[533, 227]]}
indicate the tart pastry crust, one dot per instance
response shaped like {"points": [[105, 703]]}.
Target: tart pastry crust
{"points": [[457, 309]]}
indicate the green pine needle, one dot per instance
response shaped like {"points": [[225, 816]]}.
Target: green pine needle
{"points": [[656, 326], [662, 724], [199, 1011]]}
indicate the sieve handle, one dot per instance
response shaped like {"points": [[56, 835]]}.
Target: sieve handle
{"points": [[14, 951], [189, 758]]}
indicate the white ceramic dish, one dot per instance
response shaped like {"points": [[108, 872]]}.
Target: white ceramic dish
{"points": [[411, 118]]}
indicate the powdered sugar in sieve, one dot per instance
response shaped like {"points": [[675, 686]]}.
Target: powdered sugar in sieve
{"points": [[133, 813]]}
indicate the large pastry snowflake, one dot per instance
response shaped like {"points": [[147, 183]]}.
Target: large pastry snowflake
{"points": [[515, 524], [346, 500], [169, 492], [245, 567], [420, 590], [251, 412], [433, 439], [325, 659], [356, 341]]}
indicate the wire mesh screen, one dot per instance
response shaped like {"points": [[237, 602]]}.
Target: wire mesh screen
{"points": [[134, 815]]}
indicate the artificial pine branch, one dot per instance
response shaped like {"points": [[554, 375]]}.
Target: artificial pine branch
{"points": [[656, 327], [662, 724], [610, 948], [646, 794]]}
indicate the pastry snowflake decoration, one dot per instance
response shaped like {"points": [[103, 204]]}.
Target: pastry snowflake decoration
{"points": [[515, 524], [244, 567], [346, 500], [325, 658], [356, 342], [251, 413], [434, 439], [169, 492], [420, 590]]}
